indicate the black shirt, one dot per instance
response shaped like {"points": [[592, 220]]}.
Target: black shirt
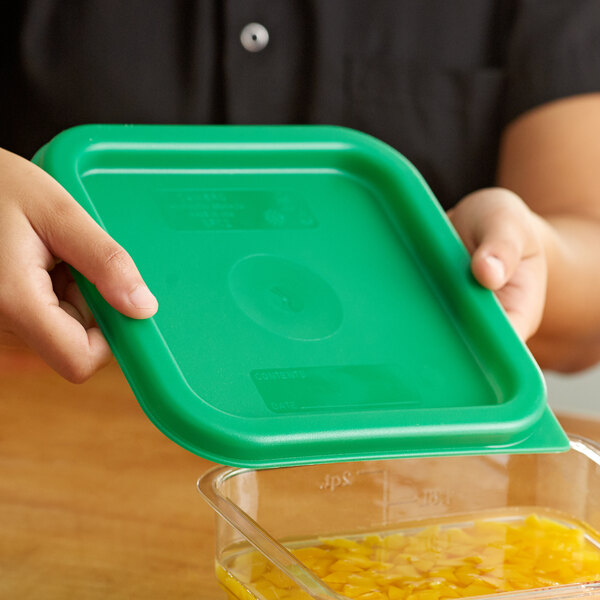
{"points": [[437, 79]]}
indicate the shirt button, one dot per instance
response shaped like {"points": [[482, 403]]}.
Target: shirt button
{"points": [[254, 37]]}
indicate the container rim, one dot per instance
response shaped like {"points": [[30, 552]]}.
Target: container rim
{"points": [[210, 484]]}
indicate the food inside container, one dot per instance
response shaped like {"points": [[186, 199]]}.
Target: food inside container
{"points": [[438, 561], [517, 527]]}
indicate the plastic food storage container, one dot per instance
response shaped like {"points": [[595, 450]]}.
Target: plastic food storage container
{"points": [[265, 516]]}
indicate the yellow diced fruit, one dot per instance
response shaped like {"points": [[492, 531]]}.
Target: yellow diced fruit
{"points": [[425, 595], [495, 582], [466, 575], [346, 544], [250, 566], [459, 536], [268, 591], [387, 556], [365, 580], [446, 575], [353, 591], [373, 540], [406, 571], [478, 589], [396, 541], [373, 595], [336, 577], [298, 595], [396, 593], [435, 563], [423, 565], [234, 588], [311, 554], [447, 591], [278, 579], [345, 565]]}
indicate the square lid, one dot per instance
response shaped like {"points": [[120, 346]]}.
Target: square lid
{"points": [[315, 303]]}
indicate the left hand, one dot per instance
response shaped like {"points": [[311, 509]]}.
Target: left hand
{"points": [[504, 238]]}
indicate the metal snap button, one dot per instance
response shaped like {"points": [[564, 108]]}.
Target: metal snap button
{"points": [[254, 37]]}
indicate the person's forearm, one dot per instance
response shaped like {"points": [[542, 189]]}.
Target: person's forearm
{"points": [[568, 338], [549, 156]]}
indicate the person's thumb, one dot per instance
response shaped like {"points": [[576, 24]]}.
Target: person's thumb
{"points": [[73, 236], [493, 223]]}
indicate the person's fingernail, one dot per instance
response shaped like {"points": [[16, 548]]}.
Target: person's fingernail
{"points": [[496, 267], [142, 297]]}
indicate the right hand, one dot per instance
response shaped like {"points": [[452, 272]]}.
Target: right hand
{"points": [[505, 240], [41, 226]]}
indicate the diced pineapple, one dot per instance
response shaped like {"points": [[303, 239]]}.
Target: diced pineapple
{"points": [[434, 563]]}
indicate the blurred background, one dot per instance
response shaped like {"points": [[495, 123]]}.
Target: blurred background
{"points": [[577, 394]]}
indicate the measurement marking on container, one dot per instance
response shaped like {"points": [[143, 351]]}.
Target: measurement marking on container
{"points": [[370, 472], [334, 481], [386, 497], [410, 500], [434, 497], [426, 497]]}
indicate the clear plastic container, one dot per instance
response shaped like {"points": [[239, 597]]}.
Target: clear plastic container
{"points": [[267, 510]]}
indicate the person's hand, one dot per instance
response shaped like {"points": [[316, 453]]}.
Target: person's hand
{"points": [[504, 238], [40, 305]]}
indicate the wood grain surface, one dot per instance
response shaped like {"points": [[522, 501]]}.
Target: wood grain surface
{"points": [[95, 503]]}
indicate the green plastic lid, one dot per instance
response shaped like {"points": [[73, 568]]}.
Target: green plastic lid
{"points": [[315, 303]]}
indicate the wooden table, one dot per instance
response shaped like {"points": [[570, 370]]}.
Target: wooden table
{"points": [[95, 503]]}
